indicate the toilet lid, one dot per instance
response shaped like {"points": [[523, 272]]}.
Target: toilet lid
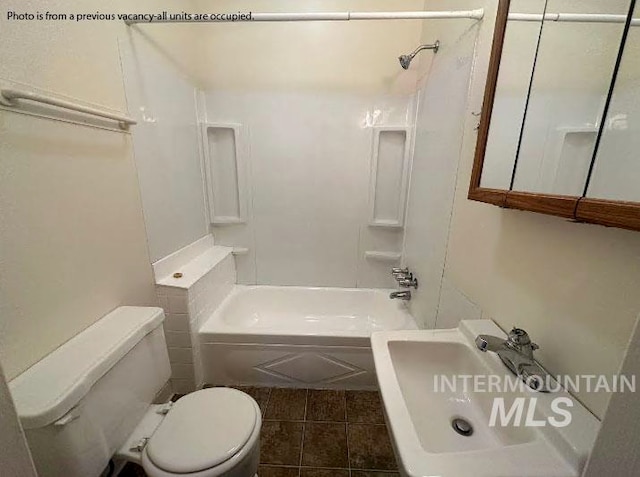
{"points": [[203, 430]]}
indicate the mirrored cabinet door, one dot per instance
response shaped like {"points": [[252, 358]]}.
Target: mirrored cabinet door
{"points": [[512, 90], [574, 67], [616, 171], [559, 132]]}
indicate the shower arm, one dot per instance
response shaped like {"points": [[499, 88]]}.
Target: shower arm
{"points": [[434, 46]]}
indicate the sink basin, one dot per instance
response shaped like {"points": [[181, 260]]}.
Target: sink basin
{"points": [[440, 423], [416, 365]]}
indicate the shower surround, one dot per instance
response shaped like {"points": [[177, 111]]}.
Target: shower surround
{"points": [[305, 158]]}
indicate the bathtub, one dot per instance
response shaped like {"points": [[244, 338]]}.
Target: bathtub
{"points": [[297, 336]]}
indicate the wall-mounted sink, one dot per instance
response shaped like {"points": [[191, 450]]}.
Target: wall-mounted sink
{"points": [[438, 398]]}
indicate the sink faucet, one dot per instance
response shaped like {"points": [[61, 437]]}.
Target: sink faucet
{"points": [[516, 352], [401, 295]]}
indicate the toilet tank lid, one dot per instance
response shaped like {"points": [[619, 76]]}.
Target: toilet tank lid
{"points": [[54, 385]]}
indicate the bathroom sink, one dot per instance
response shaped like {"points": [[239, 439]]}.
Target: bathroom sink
{"points": [[440, 422]]}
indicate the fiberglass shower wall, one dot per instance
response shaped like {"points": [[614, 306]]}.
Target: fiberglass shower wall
{"points": [[290, 111], [162, 98], [442, 105]]}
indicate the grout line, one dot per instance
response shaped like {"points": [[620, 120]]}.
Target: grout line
{"points": [[320, 422], [306, 404], [330, 468], [304, 430], [266, 406], [386, 471], [299, 421], [278, 466], [346, 430]]}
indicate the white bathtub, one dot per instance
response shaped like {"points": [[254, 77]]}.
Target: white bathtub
{"points": [[297, 336]]}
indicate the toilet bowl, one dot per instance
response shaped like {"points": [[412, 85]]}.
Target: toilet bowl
{"points": [[212, 432], [90, 401]]}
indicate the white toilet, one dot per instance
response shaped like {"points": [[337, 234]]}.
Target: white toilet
{"points": [[90, 401]]}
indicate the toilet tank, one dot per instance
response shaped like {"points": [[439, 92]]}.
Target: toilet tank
{"points": [[80, 403]]}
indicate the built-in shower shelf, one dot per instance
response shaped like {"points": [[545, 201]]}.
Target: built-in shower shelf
{"points": [[216, 220], [225, 173], [382, 256], [389, 224], [568, 166], [388, 180]]}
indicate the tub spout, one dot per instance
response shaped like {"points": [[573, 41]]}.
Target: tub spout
{"points": [[401, 295]]}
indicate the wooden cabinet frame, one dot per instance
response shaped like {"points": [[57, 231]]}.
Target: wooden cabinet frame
{"points": [[582, 209]]}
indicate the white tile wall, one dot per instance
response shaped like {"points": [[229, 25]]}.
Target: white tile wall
{"points": [[186, 309], [181, 355], [176, 322], [178, 339], [178, 304]]}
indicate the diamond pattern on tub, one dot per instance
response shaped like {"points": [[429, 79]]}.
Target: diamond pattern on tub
{"points": [[310, 368]]}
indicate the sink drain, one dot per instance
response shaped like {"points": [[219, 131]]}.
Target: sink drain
{"points": [[462, 427]]}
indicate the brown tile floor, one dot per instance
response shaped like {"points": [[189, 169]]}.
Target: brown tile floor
{"points": [[320, 433]]}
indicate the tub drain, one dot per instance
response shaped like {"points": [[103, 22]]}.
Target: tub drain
{"points": [[462, 427]]}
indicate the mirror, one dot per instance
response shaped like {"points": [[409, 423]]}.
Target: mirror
{"points": [[571, 80], [616, 171], [560, 123], [512, 90], [556, 66]]}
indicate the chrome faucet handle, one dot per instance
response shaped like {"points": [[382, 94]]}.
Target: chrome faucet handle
{"points": [[519, 337], [401, 277], [400, 271], [408, 282], [519, 340]]}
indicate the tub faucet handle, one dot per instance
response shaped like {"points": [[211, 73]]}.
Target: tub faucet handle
{"points": [[400, 271], [408, 282]]}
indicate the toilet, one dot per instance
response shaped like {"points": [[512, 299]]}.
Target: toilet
{"points": [[89, 404]]}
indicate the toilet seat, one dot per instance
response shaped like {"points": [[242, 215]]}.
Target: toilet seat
{"points": [[206, 433]]}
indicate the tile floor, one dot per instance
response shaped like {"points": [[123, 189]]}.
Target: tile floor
{"points": [[320, 433]]}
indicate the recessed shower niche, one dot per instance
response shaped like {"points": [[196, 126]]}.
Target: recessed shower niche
{"points": [[225, 172], [389, 176]]}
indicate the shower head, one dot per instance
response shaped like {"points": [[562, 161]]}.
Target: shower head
{"points": [[405, 60]]}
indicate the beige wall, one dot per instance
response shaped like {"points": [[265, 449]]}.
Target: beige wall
{"points": [[72, 241], [615, 451], [574, 287], [305, 55]]}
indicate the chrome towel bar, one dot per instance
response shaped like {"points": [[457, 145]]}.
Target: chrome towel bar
{"points": [[8, 97]]}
